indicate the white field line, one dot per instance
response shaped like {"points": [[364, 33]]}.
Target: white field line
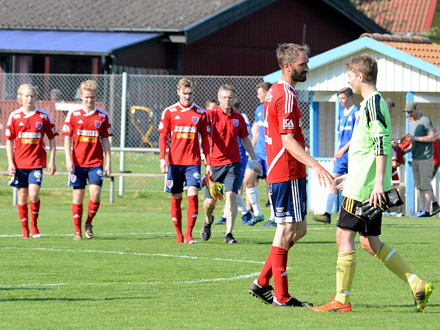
{"points": [[239, 277], [137, 254], [134, 253]]}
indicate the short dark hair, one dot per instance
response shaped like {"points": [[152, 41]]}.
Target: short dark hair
{"points": [[264, 85], [347, 91], [288, 53], [390, 103]]}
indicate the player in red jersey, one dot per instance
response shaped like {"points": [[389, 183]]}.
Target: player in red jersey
{"points": [[25, 130], [227, 126], [286, 175], [184, 120], [88, 130]]}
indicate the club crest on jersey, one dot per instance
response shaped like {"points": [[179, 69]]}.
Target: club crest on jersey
{"points": [[72, 178], [39, 125], [169, 184], [97, 123], [195, 119], [236, 122]]}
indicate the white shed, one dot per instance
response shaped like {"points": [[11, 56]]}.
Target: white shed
{"points": [[407, 71]]}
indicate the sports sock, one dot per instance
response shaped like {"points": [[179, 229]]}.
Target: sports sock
{"points": [[241, 205], [254, 199], [35, 210], [176, 216], [279, 269], [266, 272], [345, 269], [77, 212], [225, 209], [23, 215], [394, 262], [191, 215], [92, 210], [331, 199]]}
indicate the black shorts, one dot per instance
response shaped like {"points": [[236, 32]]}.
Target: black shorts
{"points": [[228, 174], [349, 220]]}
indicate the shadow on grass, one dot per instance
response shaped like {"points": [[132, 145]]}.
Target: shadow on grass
{"points": [[72, 299]]}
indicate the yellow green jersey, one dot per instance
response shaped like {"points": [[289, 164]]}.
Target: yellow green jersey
{"points": [[371, 138]]}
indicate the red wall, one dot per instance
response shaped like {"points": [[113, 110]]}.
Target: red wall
{"points": [[247, 47]]}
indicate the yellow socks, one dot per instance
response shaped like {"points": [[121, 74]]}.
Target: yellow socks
{"points": [[345, 268], [394, 262]]}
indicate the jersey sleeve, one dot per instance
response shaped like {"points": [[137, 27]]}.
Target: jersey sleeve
{"points": [[286, 114], [107, 128], [10, 133], [243, 132], [68, 127], [49, 128], [379, 130], [164, 125]]}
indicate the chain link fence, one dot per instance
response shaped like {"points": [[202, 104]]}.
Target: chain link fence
{"points": [[134, 103]]}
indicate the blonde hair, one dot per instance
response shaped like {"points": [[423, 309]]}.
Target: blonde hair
{"points": [[88, 85], [22, 88], [226, 88], [184, 83], [289, 52], [366, 65]]}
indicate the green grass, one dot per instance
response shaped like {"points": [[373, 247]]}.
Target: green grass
{"points": [[133, 275]]}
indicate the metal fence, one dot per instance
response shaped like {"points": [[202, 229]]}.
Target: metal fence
{"points": [[135, 139]]}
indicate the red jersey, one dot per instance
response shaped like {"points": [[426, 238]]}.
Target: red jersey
{"points": [[87, 130], [28, 132], [185, 124], [282, 116], [226, 129], [436, 146]]}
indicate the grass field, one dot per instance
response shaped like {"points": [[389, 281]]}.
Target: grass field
{"points": [[133, 275]]}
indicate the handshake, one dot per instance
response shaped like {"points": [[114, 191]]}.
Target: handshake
{"points": [[372, 213]]}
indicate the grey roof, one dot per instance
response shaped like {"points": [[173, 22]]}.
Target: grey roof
{"points": [[189, 20], [108, 15]]}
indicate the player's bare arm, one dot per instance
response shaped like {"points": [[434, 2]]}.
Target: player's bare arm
{"points": [[107, 153], [68, 150], [254, 135], [10, 154], [162, 152], [342, 151], [295, 149], [378, 193], [430, 138], [341, 179], [52, 168], [247, 144]]}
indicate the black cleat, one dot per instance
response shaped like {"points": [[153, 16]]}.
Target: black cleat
{"points": [[205, 234], [264, 294], [230, 239], [292, 302], [325, 218]]}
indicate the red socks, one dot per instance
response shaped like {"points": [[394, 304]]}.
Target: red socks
{"points": [[191, 214], [93, 209], [279, 269], [35, 209], [23, 215], [176, 215], [77, 212], [266, 272]]}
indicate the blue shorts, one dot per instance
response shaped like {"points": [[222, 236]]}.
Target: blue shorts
{"points": [[341, 166], [178, 174], [79, 178], [228, 174], [24, 177], [289, 200]]}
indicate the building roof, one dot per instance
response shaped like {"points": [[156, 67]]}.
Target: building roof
{"points": [[183, 20], [401, 15], [417, 46]]}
